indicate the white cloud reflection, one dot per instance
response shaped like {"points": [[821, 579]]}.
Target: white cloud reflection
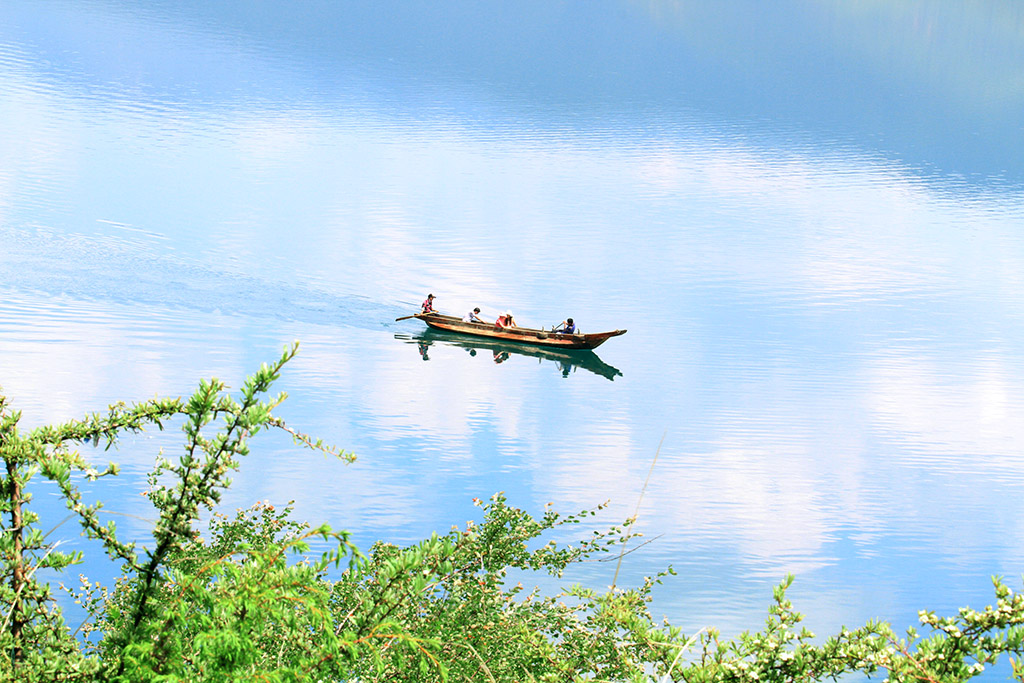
{"points": [[794, 426]]}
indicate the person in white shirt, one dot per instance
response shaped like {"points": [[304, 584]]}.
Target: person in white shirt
{"points": [[473, 316]]}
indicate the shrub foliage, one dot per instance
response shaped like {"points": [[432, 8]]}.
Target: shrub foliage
{"points": [[251, 601]]}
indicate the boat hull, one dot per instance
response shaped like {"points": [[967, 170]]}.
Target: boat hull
{"points": [[519, 335]]}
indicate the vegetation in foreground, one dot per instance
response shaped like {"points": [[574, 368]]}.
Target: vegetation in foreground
{"points": [[248, 604]]}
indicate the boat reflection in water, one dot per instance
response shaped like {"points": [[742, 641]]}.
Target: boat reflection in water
{"points": [[567, 359]]}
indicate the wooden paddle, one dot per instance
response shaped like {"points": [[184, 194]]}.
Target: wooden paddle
{"points": [[577, 332], [414, 315]]}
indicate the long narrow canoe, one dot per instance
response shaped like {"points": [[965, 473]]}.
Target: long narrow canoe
{"points": [[521, 335]]}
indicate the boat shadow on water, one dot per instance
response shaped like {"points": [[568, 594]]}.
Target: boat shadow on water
{"points": [[567, 359]]}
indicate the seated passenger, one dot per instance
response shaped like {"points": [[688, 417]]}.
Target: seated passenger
{"points": [[567, 326], [473, 317], [505, 321], [428, 304]]}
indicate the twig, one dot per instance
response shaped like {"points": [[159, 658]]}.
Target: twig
{"points": [[627, 552], [683, 649], [69, 517], [636, 513], [14, 600], [483, 664]]}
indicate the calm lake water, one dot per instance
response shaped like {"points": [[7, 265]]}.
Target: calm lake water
{"points": [[807, 213]]}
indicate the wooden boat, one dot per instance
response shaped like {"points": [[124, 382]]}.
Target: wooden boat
{"points": [[519, 335], [567, 359]]}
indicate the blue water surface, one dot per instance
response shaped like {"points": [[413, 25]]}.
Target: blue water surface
{"points": [[808, 215]]}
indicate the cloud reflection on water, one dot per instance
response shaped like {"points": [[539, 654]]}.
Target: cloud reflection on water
{"points": [[827, 332]]}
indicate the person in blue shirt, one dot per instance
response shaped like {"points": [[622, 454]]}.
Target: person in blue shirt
{"points": [[567, 326]]}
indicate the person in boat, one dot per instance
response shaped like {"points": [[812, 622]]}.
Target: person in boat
{"points": [[473, 316], [428, 304], [567, 326], [505, 321]]}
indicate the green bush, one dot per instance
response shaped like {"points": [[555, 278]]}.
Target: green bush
{"points": [[250, 603]]}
